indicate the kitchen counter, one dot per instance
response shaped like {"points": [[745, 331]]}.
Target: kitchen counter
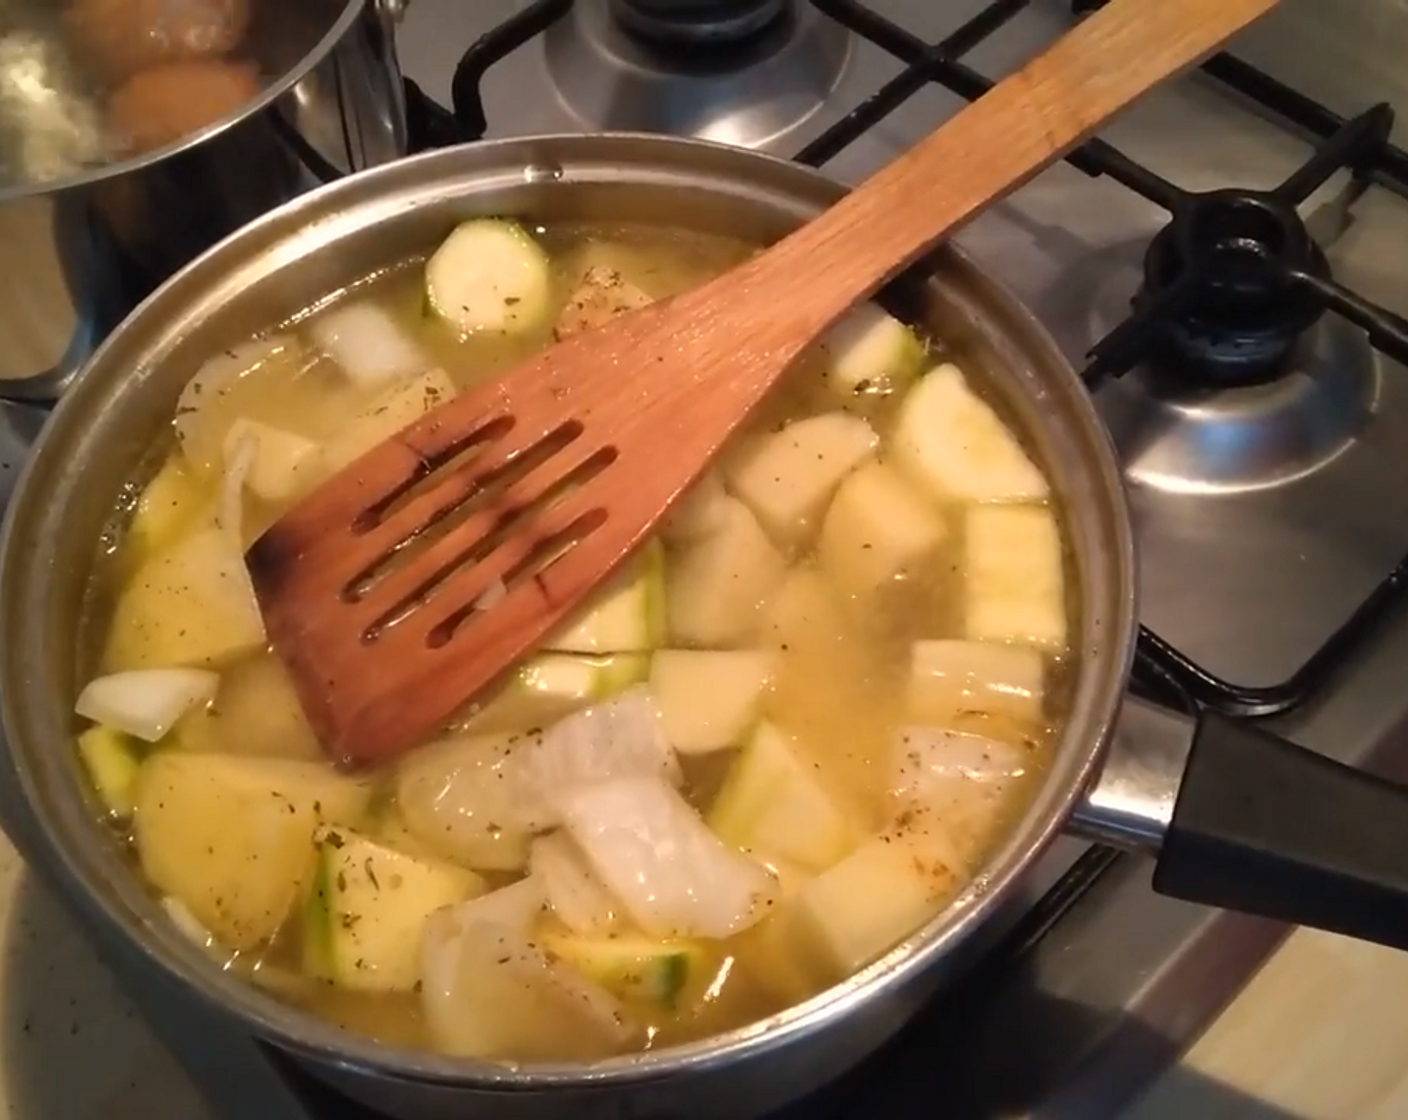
{"points": [[1321, 1033]]}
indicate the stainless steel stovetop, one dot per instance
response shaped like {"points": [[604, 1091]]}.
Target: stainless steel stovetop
{"points": [[1266, 514]]}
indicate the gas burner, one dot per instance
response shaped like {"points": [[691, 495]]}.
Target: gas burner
{"points": [[1179, 430], [697, 21], [741, 73], [1228, 375], [1175, 434], [1230, 264]]}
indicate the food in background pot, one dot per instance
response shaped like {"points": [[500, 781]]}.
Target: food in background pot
{"points": [[116, 38], [159, 106], [777, 743]]}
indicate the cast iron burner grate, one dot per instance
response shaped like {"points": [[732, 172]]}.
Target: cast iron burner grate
{"points": [[1231, 282], [1234, 279]]}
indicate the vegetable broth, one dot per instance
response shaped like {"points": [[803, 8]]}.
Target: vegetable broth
{"points": [[830, 637]]}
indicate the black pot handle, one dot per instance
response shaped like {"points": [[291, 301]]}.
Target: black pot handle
{"points": [[1268, 827]]}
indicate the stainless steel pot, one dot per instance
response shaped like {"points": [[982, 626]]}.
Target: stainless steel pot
{"points": [[1255, 822], [79, 255]]}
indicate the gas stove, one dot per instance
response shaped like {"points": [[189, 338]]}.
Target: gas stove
{"points": [[1225, 265]]}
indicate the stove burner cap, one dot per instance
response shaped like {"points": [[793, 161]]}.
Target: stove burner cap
{"points": [[615, 70], [1175, 435], [1238, 251], [697, 21]]}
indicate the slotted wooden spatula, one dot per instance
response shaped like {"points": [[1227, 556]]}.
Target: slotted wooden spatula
{"points": [[426, 568]]}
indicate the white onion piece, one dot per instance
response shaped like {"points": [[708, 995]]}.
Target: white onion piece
{"points": [[276, 463], [930, 762], [477, 798], [575, 894], [672, 875], [619, 738], [365, 341], [516, 906], [489, 992], [492, 595], [146, 702], [239, 461], [944, 787], [199, 427]]}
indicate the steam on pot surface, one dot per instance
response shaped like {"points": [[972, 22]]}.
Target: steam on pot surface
{"points": [[781, 740]]}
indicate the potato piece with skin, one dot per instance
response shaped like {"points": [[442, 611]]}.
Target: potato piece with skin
{"points": [[167, 103], [256, 712], [116, 38], [232, 838], [367, 907]]}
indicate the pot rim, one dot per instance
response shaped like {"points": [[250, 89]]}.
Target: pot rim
{"points": [[351, 12], [1081, 750]]}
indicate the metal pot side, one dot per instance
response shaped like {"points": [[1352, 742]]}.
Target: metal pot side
{"points": [[115, 417]]}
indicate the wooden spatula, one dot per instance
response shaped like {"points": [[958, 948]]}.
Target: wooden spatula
{"points": [[426, 568]]}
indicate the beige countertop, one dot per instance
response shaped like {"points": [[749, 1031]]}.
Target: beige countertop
{"points": [[1320, 1034]]}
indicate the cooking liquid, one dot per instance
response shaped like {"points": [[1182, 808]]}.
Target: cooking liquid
{"points": [[839, 686]]}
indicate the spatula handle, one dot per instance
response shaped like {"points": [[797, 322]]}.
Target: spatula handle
{"points": [[992, 146]]}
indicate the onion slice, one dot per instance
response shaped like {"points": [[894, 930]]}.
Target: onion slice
{"points": [[578, 898], [931, 762], [672, 875], [621, 737], [946, 787], [367, 344], [239, 461], [146, 703], [488, 991]]}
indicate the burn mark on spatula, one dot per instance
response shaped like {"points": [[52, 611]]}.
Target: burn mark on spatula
{"points": [[431, 512]]}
